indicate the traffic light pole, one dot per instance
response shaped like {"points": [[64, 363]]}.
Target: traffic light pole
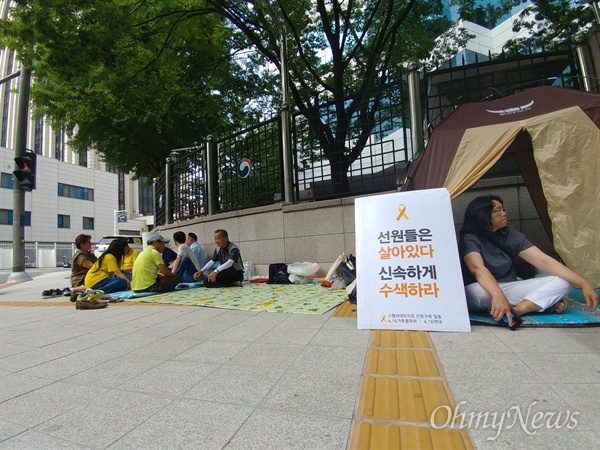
{"points": [[18, 274]]}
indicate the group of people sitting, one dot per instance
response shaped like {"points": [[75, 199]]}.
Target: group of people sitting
{"points": [[157, 268], [487, 248]]}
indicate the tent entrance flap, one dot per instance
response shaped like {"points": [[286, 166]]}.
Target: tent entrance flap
{"points": [[522, 149], [479, 149]]}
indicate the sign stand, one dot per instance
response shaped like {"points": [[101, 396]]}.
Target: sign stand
{"points": [[408, 267]]}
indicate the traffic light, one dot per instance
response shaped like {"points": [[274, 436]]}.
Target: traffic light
{"points": [[25, 174]]}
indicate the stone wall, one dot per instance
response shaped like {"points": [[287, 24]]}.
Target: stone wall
{"points": [[319, 231]]}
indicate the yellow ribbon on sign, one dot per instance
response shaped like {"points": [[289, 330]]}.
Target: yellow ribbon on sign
{"points": [[383, 318], [402, 211]]}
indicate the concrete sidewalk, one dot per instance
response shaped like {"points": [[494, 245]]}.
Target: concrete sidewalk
{"points": [[147, 376]]}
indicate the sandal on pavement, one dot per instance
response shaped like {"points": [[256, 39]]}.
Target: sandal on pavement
{"points": [[52, 293], [559, 307]]}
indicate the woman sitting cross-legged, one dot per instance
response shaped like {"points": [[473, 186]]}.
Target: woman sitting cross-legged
{"points": [[83, 260], [106, 274], [487, 248]]}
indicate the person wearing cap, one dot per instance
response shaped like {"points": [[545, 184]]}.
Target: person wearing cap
{"points": [[149, 271]]}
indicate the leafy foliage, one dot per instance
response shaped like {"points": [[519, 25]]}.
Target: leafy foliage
{"points": [[336, 48], [542, 23], [133, 79]]}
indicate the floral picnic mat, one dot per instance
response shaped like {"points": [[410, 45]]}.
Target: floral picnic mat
{"points": [[574, 316], [283, 298]]}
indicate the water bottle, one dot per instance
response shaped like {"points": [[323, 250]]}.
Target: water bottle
{"points": [[248, 270]]}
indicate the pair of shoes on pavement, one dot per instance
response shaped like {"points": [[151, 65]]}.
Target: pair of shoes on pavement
{"points": [[90, 304], [91, 299], [49, 293], [94, 299], [96, 294]]}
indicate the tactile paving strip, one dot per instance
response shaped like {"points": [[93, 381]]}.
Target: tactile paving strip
{"points": [[345, 309], [405, 401], [383, 436]]}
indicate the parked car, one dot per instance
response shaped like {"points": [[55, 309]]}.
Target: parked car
{"points": [[133, 241]]}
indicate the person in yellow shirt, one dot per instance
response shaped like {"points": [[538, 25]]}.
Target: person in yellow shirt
{"points": [[149, 271], [106, 273], [129, 257]]}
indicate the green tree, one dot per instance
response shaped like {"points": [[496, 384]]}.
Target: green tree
{"points": [[132, 79], [136, 78], [551, 22], [341, 47], [546, 23]]}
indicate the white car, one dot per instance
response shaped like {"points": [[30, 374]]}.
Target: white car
{"points": [[133, 241]]}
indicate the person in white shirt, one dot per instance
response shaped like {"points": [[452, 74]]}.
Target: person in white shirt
{"points": [[186, 260]]}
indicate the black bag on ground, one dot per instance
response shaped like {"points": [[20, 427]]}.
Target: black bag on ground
{"points": [[348, 269], [348, 272], [278, 274], [352, 295]]}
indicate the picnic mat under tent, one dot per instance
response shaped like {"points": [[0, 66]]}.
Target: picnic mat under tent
{"points": [[284, 298], [574, 316]]}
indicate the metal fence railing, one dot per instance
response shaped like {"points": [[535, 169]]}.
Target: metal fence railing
{"points": [[188, 183], [39, 254], [485, 80], [249, 167], [372, 155], [246, 166]]}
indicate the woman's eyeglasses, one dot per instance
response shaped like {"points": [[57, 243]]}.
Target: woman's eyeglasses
{"points": [[499, 210]]}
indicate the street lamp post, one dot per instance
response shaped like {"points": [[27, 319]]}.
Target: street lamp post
{"points": [[286, 145]]}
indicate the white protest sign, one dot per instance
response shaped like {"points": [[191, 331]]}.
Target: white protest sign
{"points": [[408, 267]]}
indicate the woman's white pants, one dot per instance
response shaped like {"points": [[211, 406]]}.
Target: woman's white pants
{"points": [[543, 291]]}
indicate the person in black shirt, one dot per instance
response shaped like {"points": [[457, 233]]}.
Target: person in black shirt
{"points": [[230, 271]]}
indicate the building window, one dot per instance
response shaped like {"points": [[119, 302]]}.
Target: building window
{"points": [[6, 217], [64, 221], [121, 177], [145, 197], [7, 181], [38, 136], [78, 192], [83, 157], [88, 223], [59, 145]]}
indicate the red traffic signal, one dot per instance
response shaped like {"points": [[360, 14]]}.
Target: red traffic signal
{"points": [[25, 172]]}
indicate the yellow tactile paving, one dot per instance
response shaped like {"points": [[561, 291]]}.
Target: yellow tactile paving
{"points": [[413, 400], [371, 436], [400, 339], [345, 309], [405, 401], [402, 362]]}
